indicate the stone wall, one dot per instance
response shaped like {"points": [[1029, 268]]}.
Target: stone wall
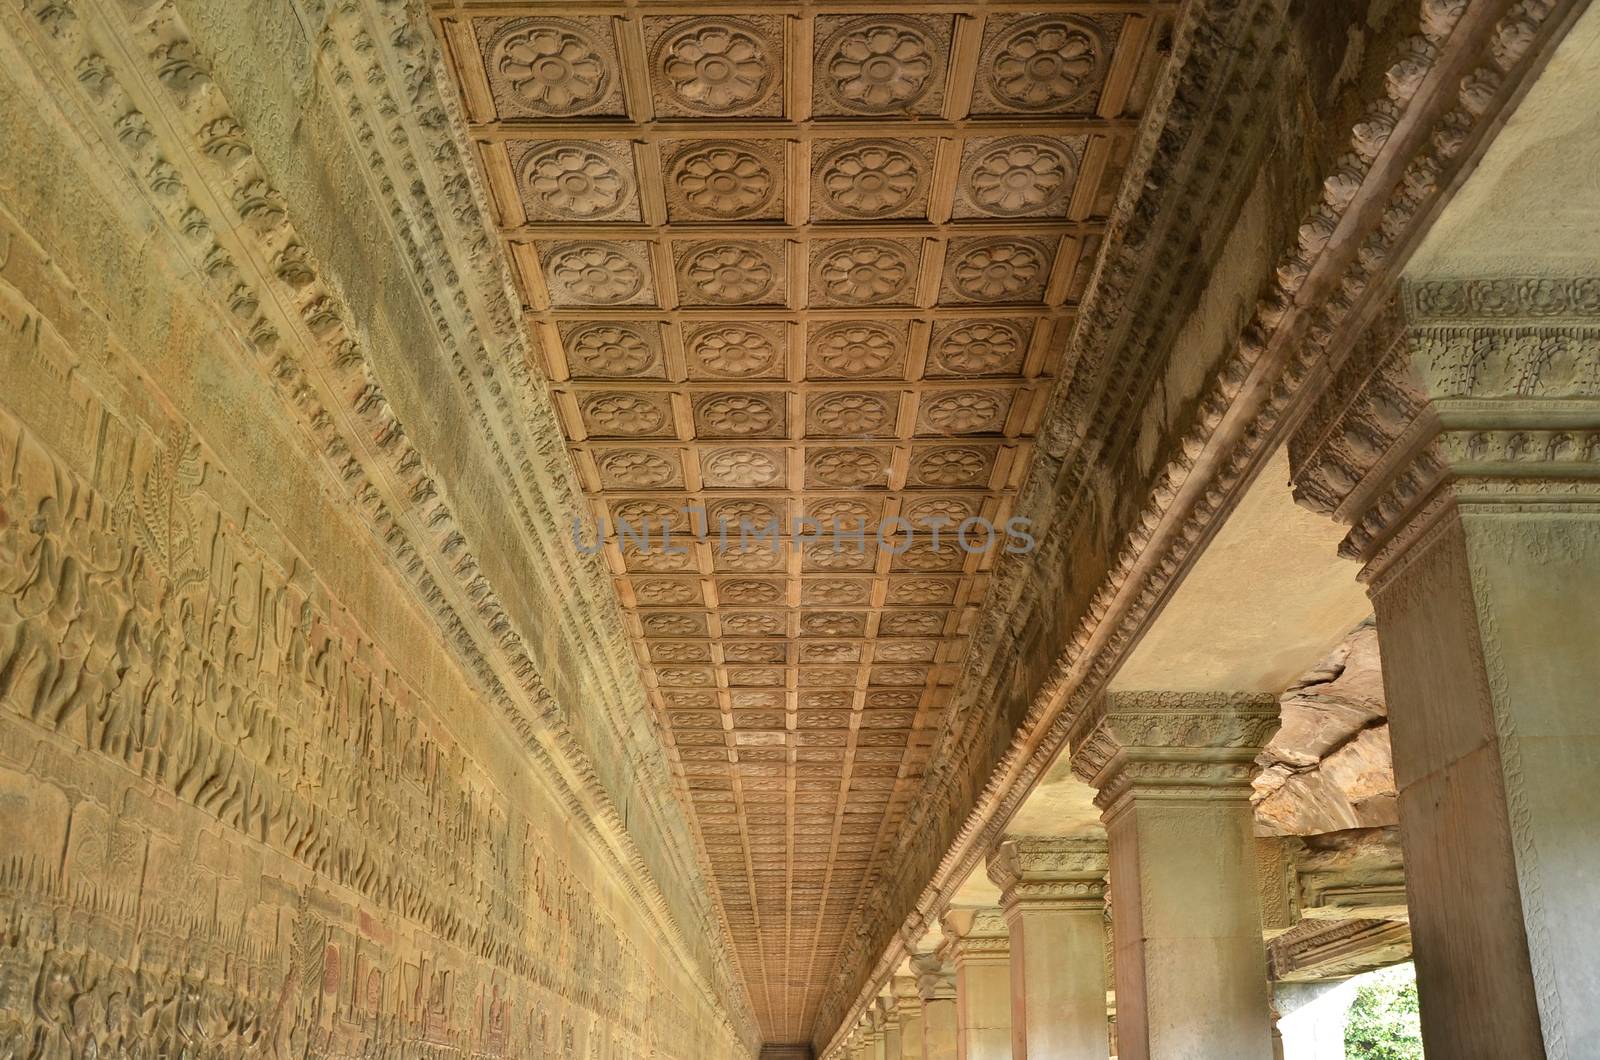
{"points": [[252, 802]]}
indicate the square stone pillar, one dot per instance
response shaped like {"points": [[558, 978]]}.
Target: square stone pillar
{"points": [[891, 1026], [936, 983], [1173, 774], [979, 945], [1052, 892], [1461, 442], [908, 1003]]}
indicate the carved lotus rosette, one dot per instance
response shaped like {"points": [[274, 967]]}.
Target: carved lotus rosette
{"points": [[872, 179], [576, 181], [864, 272], [739, 350], [595, 273], [856, 349], [731, 272], [716, 66], [1018, 176], [550, 67], [740, 414], [723, 180], [880, 64], [1044, 64], [997, 269], [607, 349]]}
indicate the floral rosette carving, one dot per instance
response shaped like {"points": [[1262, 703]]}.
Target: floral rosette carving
{"points": [[608, 350], [871, 178], [723, 180], [981, 347], [953, 466], [595, 274], [716, 66], [856, 349], [575, 181], [1001, 269], [1048, 63], [865, 272], [1021, 176], [743, 467], [879, 65], [551, 66], [623, 414], [637, 468], [851, 414], [739, 415], [733, 349], [729, 273]]}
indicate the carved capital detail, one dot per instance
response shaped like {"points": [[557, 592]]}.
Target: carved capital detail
{"points": [[1177, 743], [976, 935], [1039, 872], [936, 979], [1482, 391]]}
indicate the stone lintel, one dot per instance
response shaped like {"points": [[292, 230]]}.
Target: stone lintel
{"points": [[1049, 872], [1173, 744], [1479, 392]]}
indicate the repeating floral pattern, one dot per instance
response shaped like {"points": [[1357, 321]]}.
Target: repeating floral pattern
{"points": [[831, 313], [723, 180], [550, 66], [728, 273], [716, 66], [576, 181], [1048, 62], [594, 274], [871, 178], [879, 65], [864, 272]]}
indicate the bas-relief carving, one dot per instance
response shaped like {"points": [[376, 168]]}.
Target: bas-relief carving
{"points": [[148, 540], [272, 845]]}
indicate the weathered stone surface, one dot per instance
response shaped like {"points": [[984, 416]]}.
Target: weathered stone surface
{"points": [[1329, 767]]}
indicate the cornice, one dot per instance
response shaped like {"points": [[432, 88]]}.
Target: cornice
{"points": [[1441, 92], [143, 95]]}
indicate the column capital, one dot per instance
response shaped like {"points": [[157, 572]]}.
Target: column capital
{"points": [[908, 1003], [974, 935], [1049, 872], [936, 979], [1173, 743], [1478, 392]]}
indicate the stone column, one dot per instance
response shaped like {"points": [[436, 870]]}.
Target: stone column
{"points": [[909, 1005], [1173, 774], [979, 947], [1053, 894], [1461, 441], [936, 983], [891, 1027]]}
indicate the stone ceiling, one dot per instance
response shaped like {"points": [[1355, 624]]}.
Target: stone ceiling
{"points": [[817, 261]]}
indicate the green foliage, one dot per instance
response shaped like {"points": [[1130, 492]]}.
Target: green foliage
{"points": [[1385, 1023]]}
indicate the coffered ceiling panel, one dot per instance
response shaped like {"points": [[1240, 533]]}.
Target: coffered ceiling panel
{"points": [[800, 261]]}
